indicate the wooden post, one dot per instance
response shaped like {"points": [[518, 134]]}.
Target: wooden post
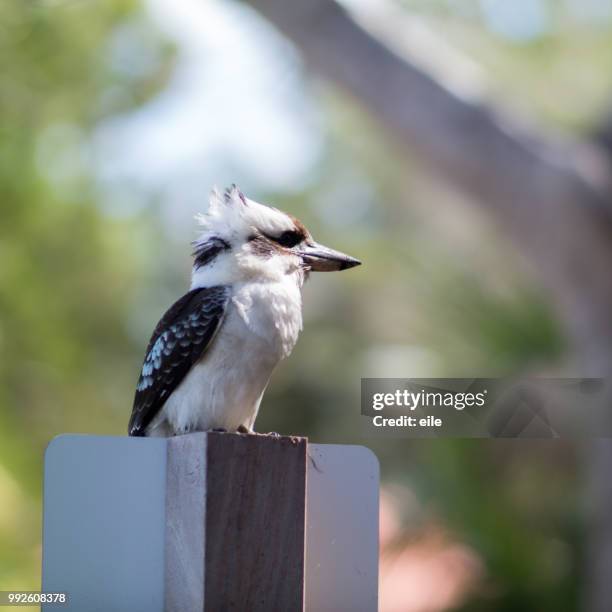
{"points": [[235, 521], [210, 522]]}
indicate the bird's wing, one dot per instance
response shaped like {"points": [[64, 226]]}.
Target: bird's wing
{"points": [[180, 338]]}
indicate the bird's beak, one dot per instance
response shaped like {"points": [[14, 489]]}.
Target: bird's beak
{"points": [[320, 258]]}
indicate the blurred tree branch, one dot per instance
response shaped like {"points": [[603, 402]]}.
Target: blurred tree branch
{"points": [[602, 135], [552, 198]]}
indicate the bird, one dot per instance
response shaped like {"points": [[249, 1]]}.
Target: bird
{"points": [[210, 357]]}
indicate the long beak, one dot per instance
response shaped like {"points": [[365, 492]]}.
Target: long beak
{"points": [[320, 258]]}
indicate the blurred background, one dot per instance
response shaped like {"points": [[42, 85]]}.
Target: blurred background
{"points": [[118, 117]]}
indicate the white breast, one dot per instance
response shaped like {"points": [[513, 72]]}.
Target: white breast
{"points": [[224, 389]]}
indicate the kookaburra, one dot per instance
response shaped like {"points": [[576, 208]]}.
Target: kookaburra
{"points": [[211, 355]]}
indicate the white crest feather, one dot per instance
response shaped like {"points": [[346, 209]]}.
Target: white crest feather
{"points": [[232, 216]]}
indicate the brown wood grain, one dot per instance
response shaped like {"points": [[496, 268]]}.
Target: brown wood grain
{"points": [[235, 514]]}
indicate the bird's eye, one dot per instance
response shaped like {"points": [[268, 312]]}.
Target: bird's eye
{"points": [[289, 238]]}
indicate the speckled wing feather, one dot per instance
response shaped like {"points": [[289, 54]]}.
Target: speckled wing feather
{"points": [[180, 338]]}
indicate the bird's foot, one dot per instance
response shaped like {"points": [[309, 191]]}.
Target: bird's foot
{"points": [[273, 434], [218, 430]]}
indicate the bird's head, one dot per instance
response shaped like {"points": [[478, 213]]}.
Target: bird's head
{"points": [[243, 240]]}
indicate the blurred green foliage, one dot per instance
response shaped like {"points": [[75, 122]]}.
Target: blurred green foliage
{"points": [[441, 292], [66, 272]]}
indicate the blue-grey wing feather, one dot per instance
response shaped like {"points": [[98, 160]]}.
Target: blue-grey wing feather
{"points": [[180, 338]]}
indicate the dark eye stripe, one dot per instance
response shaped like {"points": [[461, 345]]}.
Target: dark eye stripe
{"points": [[206, 252], [289, 238]]}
